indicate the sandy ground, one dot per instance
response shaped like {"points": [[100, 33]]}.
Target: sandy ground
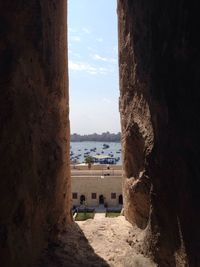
{"points": [[97, 243]]}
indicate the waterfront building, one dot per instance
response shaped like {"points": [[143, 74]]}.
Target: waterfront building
{"points": [[103, 186]]}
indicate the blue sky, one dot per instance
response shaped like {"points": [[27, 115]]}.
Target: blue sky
{"points": [[93, 66]]}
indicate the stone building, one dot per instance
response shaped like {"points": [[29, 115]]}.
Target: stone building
{"points": [[96, 190]]}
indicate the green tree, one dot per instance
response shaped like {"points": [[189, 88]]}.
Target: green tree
{"points": [[89, 161]]}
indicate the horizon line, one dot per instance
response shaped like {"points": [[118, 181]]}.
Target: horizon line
{"points": [[96, 133]]}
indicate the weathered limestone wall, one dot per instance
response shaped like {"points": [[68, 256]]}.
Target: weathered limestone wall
{"points": [[102, 167], [95, 184], [34, 136], [159, 103]]}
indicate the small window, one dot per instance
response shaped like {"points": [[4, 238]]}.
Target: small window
{"points": [[74, 195], [94, 196], [113, 195]]}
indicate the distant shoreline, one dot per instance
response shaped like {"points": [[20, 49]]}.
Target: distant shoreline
{"points": [[104, 137], [100, 141]]}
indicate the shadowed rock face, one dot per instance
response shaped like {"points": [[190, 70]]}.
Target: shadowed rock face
{"points": [[34, 137], [159, 103]]}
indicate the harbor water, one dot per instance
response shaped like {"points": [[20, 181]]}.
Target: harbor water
{"points": [[79, 150]]}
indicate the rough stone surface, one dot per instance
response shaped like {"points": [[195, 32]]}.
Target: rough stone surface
{"points": [[159, 104], [34, 136], [98, 243]]}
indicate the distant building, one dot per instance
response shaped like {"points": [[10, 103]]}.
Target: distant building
{"points": [[96, 190]]}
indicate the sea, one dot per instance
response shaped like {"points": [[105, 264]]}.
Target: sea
{"points": [[77, 150]]}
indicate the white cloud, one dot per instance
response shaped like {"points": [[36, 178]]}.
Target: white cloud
{"points": [[100, 40], [100, 58], [86, 67], [72, 30], [81, 66], [106, 100], [76, 55], [75, 39], [104, 70], [90, 49], [97, 57], [86, 30]]}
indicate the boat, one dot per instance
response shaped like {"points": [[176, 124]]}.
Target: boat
{"points": [[105, 146], [104, 159]]}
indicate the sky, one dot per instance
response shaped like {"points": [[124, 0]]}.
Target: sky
{"points": [[93, 66]]}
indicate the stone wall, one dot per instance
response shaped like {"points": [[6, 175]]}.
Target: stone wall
{"points": [[96, 184], [159, 104], [102, 167], [34, 136]]}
